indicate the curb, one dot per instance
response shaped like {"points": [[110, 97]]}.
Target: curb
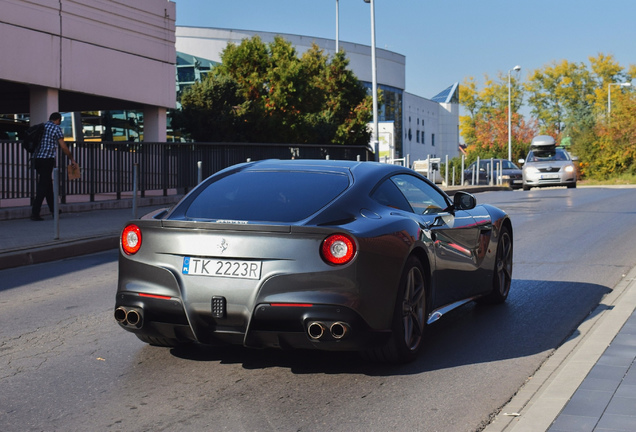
{"points": [[80, 207], [68, 249]]}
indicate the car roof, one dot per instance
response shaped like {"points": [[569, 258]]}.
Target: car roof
{"points": [[359, 169]]}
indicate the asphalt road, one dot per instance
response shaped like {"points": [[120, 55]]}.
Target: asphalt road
{"points": [[65, 364]]}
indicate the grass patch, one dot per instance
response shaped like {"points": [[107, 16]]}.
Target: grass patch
{"points": [[624, 179]]}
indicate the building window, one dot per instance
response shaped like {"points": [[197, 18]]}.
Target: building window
{"points": [[433, 140]]}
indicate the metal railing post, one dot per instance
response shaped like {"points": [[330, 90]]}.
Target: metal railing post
{"points": [[56, 206], [135, 182]]}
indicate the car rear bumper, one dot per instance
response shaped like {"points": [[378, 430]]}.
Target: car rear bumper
{"points": [[324, 327]]}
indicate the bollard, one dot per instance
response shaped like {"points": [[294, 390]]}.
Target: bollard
{"points": [[477, 169], [461, 182], [446, 171], [199, 172]]}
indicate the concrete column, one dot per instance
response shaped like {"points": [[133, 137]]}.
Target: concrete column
{"points": [[78, 133], [155, 124], [42, 102]]}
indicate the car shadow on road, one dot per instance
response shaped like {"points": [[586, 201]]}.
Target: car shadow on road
{"points": [[537, 318]]}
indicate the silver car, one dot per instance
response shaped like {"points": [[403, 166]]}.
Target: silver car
{"points": [[548, 166]]}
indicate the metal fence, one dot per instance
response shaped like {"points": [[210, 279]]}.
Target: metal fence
{"points": [[107, 168]]}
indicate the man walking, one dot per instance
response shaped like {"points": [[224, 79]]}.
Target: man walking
{"points": [[44, 162]]}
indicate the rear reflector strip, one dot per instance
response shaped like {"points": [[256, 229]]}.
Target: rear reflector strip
{"points": [[291, 304], [155, 296]]}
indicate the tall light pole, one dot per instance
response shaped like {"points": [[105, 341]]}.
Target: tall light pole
{"points": [[376, 144], [609, 94], [516, 69], [337, 26]]}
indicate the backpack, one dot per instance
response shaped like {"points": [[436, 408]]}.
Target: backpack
{"points": [[32, 138]]}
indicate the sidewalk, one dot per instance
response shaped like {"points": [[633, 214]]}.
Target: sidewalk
{"points": [[83, 228], [587, 384]]}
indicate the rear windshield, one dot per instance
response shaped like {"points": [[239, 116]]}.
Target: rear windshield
{"points": [[267, 196]]}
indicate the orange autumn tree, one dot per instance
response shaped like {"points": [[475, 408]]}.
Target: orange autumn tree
{"points": [[484, 128], [491, 133]]}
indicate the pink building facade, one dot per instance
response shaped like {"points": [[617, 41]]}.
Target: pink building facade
{"points": [[88, 55]]}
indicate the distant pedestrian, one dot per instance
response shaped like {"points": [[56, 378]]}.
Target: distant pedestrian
{"points": [[44, 162]]}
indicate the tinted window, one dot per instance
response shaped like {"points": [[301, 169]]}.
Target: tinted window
{"points": [[389, 195], [485, 164], [409, 193], [267, 196]]}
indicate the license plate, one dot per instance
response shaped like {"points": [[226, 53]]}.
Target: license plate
{"points": [[549, 176], [221, 268]]}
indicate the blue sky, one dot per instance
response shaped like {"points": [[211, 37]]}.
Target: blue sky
{"points": [[444, 41]]}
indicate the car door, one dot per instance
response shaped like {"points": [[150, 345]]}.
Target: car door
{"points": [[459, 240]]}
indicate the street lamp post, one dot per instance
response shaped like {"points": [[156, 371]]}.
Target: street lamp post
{"points": [[609, 94], [516, 69], [376, 144], [337, 26]]}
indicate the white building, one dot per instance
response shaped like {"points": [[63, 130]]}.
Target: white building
{"points": [[410, 126]]}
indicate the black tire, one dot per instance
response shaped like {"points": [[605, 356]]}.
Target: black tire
{"points": [[572, 186], [409, 318], [502, 275], [526, 188], [160, 342]]}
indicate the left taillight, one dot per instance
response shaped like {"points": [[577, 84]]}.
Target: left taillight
{"points": [[338, 249], [131, 239]]}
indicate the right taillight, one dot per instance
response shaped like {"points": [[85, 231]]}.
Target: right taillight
{"points": [[338, 249], [131, 239]]}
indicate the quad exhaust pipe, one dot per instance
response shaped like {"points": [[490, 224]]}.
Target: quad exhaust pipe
{"points": [[132, 317], [339, 330], [317, 330]]}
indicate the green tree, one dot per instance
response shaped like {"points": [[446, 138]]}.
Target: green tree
{"points": [[556, 92], [607, 148], [212, 110], [267, 93]]}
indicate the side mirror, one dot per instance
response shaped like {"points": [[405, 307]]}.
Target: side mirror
{"points": [[522, 161], [464, 201]]}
